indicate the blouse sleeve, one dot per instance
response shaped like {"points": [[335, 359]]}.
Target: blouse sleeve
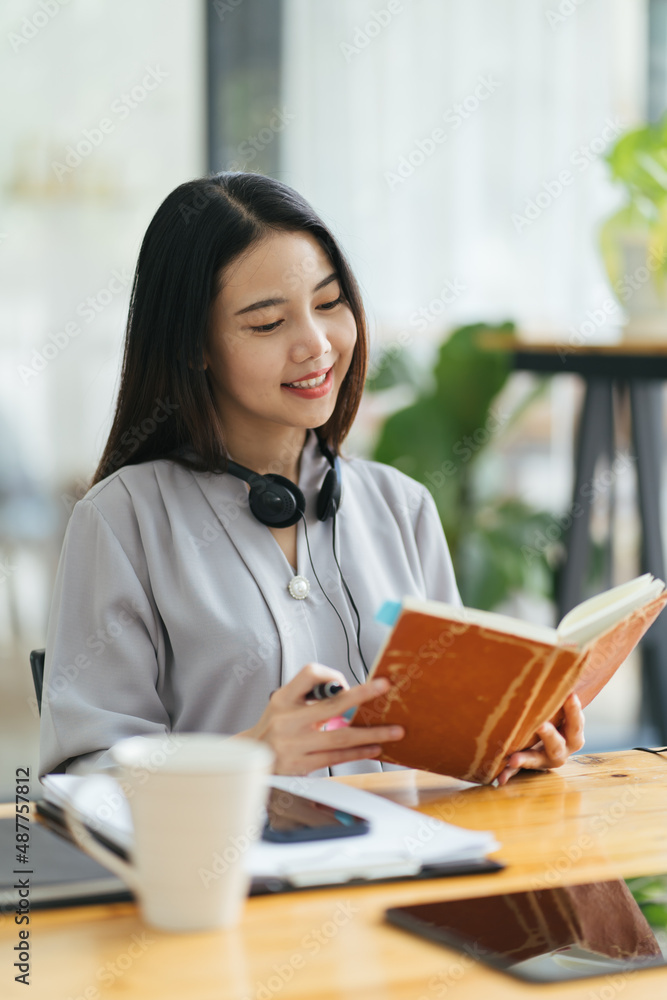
{"points": [[102, 651], [434, 554]]}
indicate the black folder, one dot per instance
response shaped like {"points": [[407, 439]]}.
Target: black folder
{"points": [[63, 875], [57, 873]]}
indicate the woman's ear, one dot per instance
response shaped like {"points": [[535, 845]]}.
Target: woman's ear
{"points": [[202, 367]]}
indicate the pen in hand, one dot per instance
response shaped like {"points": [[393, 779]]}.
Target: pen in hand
{"points": [[322, 691], [327, 690]]}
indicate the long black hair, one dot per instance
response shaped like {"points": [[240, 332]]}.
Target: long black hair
{"points": [[165, 406]]}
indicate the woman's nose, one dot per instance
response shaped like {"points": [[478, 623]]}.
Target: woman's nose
{"points": [[311, 341]]}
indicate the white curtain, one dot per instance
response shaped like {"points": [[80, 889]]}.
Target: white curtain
{"points": [[67, 232], [542, 86]]}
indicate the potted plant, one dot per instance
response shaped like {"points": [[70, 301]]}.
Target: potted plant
{"points": [[500, 546], [634, 239]]}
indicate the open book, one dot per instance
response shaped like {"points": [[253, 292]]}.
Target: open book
{"points": [[471, 687]]}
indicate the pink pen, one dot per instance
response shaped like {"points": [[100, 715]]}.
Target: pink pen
{"points": [[321, 692]]}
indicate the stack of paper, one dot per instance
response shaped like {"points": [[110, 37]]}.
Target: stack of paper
{"points": [[400, 842]]}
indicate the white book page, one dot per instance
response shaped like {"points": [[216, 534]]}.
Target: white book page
{"points": [[597, 614], [485, 619]]}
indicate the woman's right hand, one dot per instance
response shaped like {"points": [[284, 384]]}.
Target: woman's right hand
{"points": [[292, 727]]}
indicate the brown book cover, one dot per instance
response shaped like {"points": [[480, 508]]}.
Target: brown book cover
{"points": [[468, 696]]}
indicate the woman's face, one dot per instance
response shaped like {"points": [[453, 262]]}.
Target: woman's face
{"points": [[277, 322]]}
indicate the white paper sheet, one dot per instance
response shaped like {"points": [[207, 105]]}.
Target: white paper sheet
{"points": [[399, 842]]}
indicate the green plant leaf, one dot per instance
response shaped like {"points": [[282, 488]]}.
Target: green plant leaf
{"points": [[391, 368], [439, 439], [468, 378], [639, 160]]}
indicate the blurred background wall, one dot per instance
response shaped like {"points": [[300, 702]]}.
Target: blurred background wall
{"points": [[431, 136]]}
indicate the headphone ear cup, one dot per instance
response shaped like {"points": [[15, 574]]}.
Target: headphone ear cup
{"points": [[280, 504], [328, 499]]}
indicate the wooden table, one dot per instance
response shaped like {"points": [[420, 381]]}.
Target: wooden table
{"points": [[597, 817]]}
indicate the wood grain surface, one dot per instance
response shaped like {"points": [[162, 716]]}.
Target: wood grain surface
{"points": [[598, 817], [528, 342]]}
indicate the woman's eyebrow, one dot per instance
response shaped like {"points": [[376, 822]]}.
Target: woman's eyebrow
{"points": [[278, 302], [326, 281]]}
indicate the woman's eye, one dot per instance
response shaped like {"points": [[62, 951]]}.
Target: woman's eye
{"points": [[330, 305], [267, 327]]}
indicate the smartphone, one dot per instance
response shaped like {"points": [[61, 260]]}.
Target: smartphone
{"points": [[552, 935], [291, 818]]}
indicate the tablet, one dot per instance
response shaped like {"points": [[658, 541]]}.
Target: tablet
{"points": [[553, 934], [291, 818]]}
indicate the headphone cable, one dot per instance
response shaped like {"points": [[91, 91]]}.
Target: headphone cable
{"points": [[351, 599], [347, 641]]}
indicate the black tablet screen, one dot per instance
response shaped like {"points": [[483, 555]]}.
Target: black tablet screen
{"points": [[550, 935]]}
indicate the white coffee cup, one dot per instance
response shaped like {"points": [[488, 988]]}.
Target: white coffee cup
{"points": [[197, 804]]}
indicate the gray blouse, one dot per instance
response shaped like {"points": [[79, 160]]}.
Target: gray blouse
{"points": [[171, 609]]}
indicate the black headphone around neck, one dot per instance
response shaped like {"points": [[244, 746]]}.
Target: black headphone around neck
{"points": [[279, 503]]}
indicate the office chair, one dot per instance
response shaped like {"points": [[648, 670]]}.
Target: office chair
{"points": [[37, 667]]}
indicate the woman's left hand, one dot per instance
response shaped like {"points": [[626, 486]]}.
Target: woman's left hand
{"points": [[556, 744]]}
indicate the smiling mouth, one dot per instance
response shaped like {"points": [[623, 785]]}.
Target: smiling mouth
{"points": [[308, 383]]}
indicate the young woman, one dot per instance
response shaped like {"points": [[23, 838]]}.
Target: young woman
{"points": [[193, 594]]}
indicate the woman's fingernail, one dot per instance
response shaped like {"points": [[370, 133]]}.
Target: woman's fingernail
{"points": [[338, 722], [380, 684], [396, 732]]}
